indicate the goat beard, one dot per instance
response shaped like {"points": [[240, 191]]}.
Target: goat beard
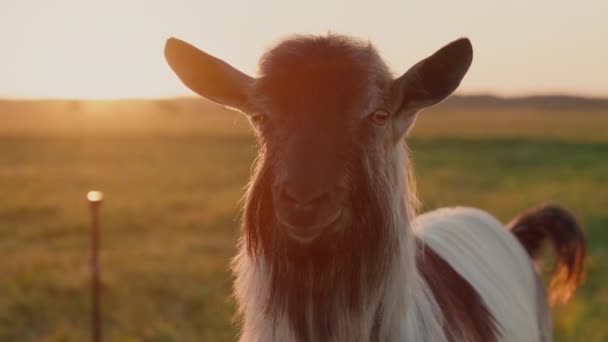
{"points": [[314, 283]]}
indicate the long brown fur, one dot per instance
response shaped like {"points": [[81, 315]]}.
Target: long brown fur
{"points": [[558, 226], [466, 316]]}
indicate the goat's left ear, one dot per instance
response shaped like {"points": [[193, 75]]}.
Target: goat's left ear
{"points": [[429, 82], [208, 76]]}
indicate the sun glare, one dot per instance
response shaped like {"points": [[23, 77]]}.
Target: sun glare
{"points": [[92, 50]]}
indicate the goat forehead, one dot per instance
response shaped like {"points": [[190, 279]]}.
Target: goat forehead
{"points": [[312, 74], [330, 97]]}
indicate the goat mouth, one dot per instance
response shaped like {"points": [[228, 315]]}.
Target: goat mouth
{"points": [[308, 233]]}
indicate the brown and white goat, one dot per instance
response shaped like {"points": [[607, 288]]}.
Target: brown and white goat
{"points": [[331, 248]]}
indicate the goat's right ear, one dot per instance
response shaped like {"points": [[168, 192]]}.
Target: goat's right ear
{"points": [[208, 76], [430, 81]]}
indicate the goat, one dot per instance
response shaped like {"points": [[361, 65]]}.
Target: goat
{"points": [[331, 247]]}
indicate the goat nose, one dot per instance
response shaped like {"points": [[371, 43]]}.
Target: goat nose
{"points": [[304, 197]]}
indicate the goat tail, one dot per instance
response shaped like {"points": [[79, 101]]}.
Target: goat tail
{"points": [[558, 226]]}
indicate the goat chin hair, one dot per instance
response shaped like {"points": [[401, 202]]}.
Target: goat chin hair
{"points": [[557, 226]]}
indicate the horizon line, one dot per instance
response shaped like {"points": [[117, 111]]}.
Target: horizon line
{"points": [[194, 96]]}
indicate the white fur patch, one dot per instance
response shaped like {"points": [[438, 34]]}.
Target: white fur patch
{"points": [[491, 259]]}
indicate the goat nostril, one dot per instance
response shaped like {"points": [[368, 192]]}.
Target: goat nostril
{"points": [[320, 198]]}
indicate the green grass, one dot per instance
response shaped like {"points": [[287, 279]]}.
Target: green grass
{"points": [[174, 173]]}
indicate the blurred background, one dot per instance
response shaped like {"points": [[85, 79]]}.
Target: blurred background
{"points": [[87, 102]]}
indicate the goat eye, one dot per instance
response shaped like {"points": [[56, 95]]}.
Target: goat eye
{"points": [[379, 117], [258, 118]]}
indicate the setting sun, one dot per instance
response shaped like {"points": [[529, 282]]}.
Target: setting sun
{"points": [[85, 50]]}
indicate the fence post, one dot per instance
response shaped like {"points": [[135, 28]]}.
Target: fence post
{"points": [[95, 199]]}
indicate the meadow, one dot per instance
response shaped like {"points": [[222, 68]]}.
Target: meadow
{"points": [[173, 172]]}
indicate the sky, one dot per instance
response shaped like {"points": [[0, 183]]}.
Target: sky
{"points": [[114, 48]]}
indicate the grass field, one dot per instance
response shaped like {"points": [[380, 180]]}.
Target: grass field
{"points": [[173, 173]]}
